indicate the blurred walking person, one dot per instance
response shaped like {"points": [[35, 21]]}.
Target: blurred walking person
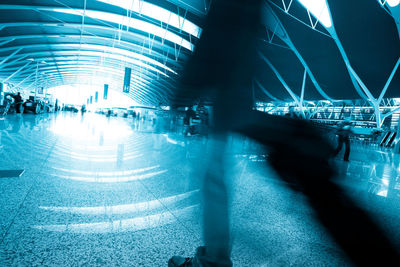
{"points": [[222, 68]]}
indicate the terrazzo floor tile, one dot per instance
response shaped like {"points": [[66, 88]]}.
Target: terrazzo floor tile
{"points": [[95, 197]]}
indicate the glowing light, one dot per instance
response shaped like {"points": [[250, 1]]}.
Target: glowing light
{"points": [[124, 209], [113, 173], [173, 141], [392, 3], [105, 159], [119, 179], [92, 156], [158, 13], [319, 9], [73, 127], [131, 23], [126, 225], [116, 53], [383, 193]]}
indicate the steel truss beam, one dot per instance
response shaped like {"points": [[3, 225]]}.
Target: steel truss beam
{"points": [[138, 37], [284, 36], [125, 44], [72, 77], [285, 85], [137, 75], [93, 48], [89, 61], [265, 91], [81, 12]]}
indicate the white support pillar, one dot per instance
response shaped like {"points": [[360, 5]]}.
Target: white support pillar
{"points": [[36, 80], [374, 102], [303, 87], [397, 145], [389, 80]]}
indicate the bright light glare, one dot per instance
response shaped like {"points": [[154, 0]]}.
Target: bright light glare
{"points": [[318, 9], [77, 95], [120, 179], [116, 53], [104, 159], [124, 225], [157, 13], [383, 193], [125, 208], [131, 23], [72, 68], [393, 3], [74, 127]]}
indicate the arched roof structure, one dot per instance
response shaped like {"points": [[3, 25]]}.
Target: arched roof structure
{"points": [[309, 50]]}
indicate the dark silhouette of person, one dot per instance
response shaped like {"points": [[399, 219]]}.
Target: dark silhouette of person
{"points": [[18, 102], [343, 132], [222, 69], [190, 114], [83, 109], [18, 98]]}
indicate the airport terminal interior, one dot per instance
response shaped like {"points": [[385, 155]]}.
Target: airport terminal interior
{"points": [[101, 165]]}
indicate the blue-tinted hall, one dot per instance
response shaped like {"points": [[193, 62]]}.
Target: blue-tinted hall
{"points": [[199, 133]]}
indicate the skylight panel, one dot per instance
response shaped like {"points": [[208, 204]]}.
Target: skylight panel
{"points": [[121, 54], [131, 23], [319, 9], [392, 3], [157, 13]]}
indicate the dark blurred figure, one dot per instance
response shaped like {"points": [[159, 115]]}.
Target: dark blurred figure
{"points": [[204, 119], [83, 109], [56, 106], [18, 102], [343, 132], [190, 114], [222, 68]]}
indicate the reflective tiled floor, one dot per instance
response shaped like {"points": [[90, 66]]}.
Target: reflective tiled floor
{"points": [[103, 191]]}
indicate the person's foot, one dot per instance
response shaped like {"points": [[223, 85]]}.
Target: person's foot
{"points": [[177, 261]]}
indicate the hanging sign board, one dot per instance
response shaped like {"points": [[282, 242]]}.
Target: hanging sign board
{"points": [[127, 80], [96, 97], [1, 94], [105, 92], [91, 99]]}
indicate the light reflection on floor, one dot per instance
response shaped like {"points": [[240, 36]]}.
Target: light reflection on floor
{"points": [[112, 191]]}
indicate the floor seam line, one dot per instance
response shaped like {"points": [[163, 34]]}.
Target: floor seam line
{"points": [[26, 196]]}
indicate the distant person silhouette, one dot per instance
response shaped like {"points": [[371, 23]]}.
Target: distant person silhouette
{"points": [[18, 102], [343, 132]]}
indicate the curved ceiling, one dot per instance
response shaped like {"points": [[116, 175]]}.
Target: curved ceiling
{"points": [[339, 54], [56, 42]]}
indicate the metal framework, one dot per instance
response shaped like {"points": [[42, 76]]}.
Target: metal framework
{"points": [[101, 37], [97, 46], [274, 26]]}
